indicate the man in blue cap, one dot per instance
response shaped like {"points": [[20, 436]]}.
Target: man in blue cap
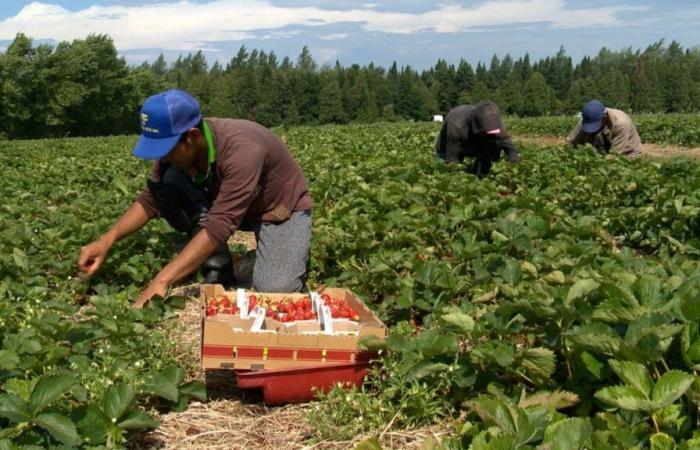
{"points": [[606, 129], [210, 177]]}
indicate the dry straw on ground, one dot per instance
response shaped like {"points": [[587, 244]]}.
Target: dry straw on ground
{"points": [[237, 419]]}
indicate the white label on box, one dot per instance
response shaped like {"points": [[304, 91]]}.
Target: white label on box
{"points": [[316, 303], [242, 303], [259, 314], [327, 321]]}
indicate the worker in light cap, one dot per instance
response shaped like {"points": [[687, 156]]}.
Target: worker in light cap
{"points": [[475, 131], [607, 130]]}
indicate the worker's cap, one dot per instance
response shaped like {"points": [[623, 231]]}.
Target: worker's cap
{"points": [[486, 118], [592, 116], [164, 117]]}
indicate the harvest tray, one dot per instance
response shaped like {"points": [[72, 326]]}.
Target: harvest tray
{"points": [[295, 385]]}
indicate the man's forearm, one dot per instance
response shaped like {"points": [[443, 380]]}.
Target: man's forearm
{"points": [[131, 221], [188, 260]]}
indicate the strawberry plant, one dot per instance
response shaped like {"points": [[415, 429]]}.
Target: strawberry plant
{"points": [[523, 283], [667, 129], [552, 304]]}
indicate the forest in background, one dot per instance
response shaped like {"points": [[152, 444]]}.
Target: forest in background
{"points": [[84, 88]]}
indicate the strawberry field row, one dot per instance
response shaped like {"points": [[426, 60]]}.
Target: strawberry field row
{"points": [[555, 299], [666, 129], [553, 303]]}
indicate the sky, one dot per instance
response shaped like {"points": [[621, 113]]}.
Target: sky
{"points": [[414, 33]]}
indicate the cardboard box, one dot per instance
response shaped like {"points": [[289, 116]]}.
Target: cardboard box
{"points": [[227, 342]]}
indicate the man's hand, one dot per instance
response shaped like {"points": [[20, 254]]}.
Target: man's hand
{"points": [[186, 262], [92, 256], [156, 287]]}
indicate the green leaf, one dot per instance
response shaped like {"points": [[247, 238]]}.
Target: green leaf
{"points": [[166, 383], [624, 397], [138, 420], [500, 442], [634, 374], [59, 426], [690, 307], [497, 352], [511, 272], [371, 343], [568, 434], [690, 345], [670, 387], [93, 424], [20, 259], [581, 289], [48, 389], [494, 412], [550, 400], [427, 368], [459, 320], [596, 337], [538, 361], [592, 364], [8, 360], [195, 390], [116, 400], [14, 408], [661, 441], [555, 277], [432, 343]]}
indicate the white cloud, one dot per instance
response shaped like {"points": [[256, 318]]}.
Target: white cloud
{"points": [[283, 34], [325, 55], [186, 26], [333, 37]]}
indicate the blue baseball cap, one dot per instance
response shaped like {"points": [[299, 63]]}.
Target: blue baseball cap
{"points": [[592, 116], [164, 117]]}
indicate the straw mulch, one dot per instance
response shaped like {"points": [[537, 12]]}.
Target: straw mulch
{"points": [[237, 419]]}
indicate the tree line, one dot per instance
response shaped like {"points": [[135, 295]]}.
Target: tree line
{"points": [[84, 87]]}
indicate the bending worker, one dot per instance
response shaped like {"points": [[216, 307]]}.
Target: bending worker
{"points": [[209, 178], [476, 132], [606, 129]]}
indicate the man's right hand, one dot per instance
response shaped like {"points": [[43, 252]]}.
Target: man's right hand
{"points": [[92, 256]]}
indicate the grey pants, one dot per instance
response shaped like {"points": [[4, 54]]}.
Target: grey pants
{"points": [[282, 254]]}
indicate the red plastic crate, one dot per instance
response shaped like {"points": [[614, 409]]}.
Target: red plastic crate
{"points": [[281, 386]]}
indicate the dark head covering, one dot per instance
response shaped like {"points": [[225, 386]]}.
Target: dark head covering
{"points": [[486, 118]]}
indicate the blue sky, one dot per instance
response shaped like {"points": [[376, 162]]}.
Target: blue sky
{"points": [[357, 31]]}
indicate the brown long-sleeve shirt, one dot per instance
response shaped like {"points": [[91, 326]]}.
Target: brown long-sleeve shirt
{"points": [[254, 177]]}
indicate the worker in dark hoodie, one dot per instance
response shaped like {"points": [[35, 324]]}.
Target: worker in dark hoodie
{"points": [[475, 131]]}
